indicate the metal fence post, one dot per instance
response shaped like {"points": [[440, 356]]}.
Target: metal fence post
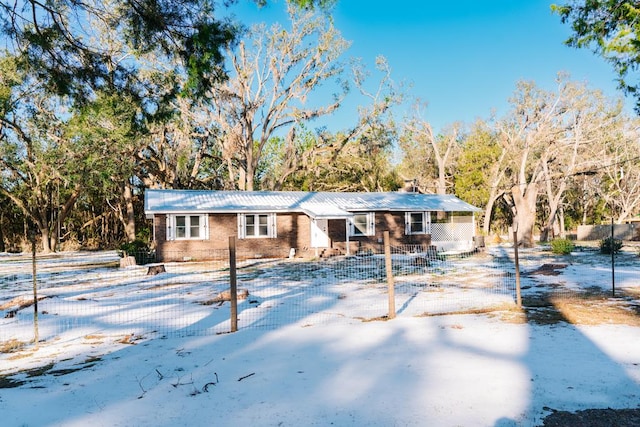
{"points": [[233, 284], [389, 270], [36, 333], [613, 261]]}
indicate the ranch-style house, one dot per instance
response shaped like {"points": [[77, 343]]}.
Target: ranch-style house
{"points": [[188, 223]]}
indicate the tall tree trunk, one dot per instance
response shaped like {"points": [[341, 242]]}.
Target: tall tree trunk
{"points": [[488, 210], [242, 179], [40, 222], [45, 237], [249, 178], [585, 203], [53, 238], [497, 174], [563, 231], [2, 245], [64, 212], [525, 209], [130, 222], [442, 181], [554, 206]]}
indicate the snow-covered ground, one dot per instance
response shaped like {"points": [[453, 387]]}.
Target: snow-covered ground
{"points": [[330, 367]]}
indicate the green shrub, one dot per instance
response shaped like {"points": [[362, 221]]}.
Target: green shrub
{"points": [[135, 247], [610, 245], [561, 246], [138, 249]]}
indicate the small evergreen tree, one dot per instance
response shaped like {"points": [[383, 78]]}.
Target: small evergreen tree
{"points": [[610, 244]]}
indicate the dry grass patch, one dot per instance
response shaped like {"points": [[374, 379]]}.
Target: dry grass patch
{"points": [[506, 310], [12, 346], [94, 339], [598, 311], [18, 303], [514, 315], [593, 307], [633, 292], [373, 319]]}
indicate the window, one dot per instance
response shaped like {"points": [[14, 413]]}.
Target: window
{"points": [[363, 224], [181, 226], [256, 225], [184, 227], [417, 223]]}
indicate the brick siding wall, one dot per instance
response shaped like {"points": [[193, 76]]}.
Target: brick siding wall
{"points": [[393, 222], [294, 231]]}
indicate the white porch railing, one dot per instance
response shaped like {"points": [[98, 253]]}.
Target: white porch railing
{"points": [[452, 236]]}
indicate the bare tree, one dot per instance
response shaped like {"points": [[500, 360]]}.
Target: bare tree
{"points": [[274, 72], [584, 124], [527, 133], [355, 159], [551, 138], [621, 172], [179, 152], [424, 149]]}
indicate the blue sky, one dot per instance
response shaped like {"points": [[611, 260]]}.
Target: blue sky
{"points": [[464, 57]]}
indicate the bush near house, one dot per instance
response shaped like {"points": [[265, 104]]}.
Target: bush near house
{"points": [[138, 249], [562, 246]]}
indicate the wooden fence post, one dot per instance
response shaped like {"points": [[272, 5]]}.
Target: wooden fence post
{"points": [[517, 265], [389, 270], [233, 284]]}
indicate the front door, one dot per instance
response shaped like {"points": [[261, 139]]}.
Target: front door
{"points": [[320, 233]]}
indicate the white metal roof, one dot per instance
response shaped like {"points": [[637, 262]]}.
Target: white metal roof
{"points": [[315, 204]]}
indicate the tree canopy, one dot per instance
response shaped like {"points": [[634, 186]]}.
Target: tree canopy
{"points": [[611, 29], [57, 39]]}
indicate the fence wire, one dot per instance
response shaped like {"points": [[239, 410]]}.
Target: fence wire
{"points": [[84, 295]]}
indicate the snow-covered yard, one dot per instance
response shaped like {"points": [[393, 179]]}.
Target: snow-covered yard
{"points": [[326, 362], [84, 294]]}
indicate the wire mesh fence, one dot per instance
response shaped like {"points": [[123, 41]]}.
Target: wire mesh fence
{"points": [[91, 294]]}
